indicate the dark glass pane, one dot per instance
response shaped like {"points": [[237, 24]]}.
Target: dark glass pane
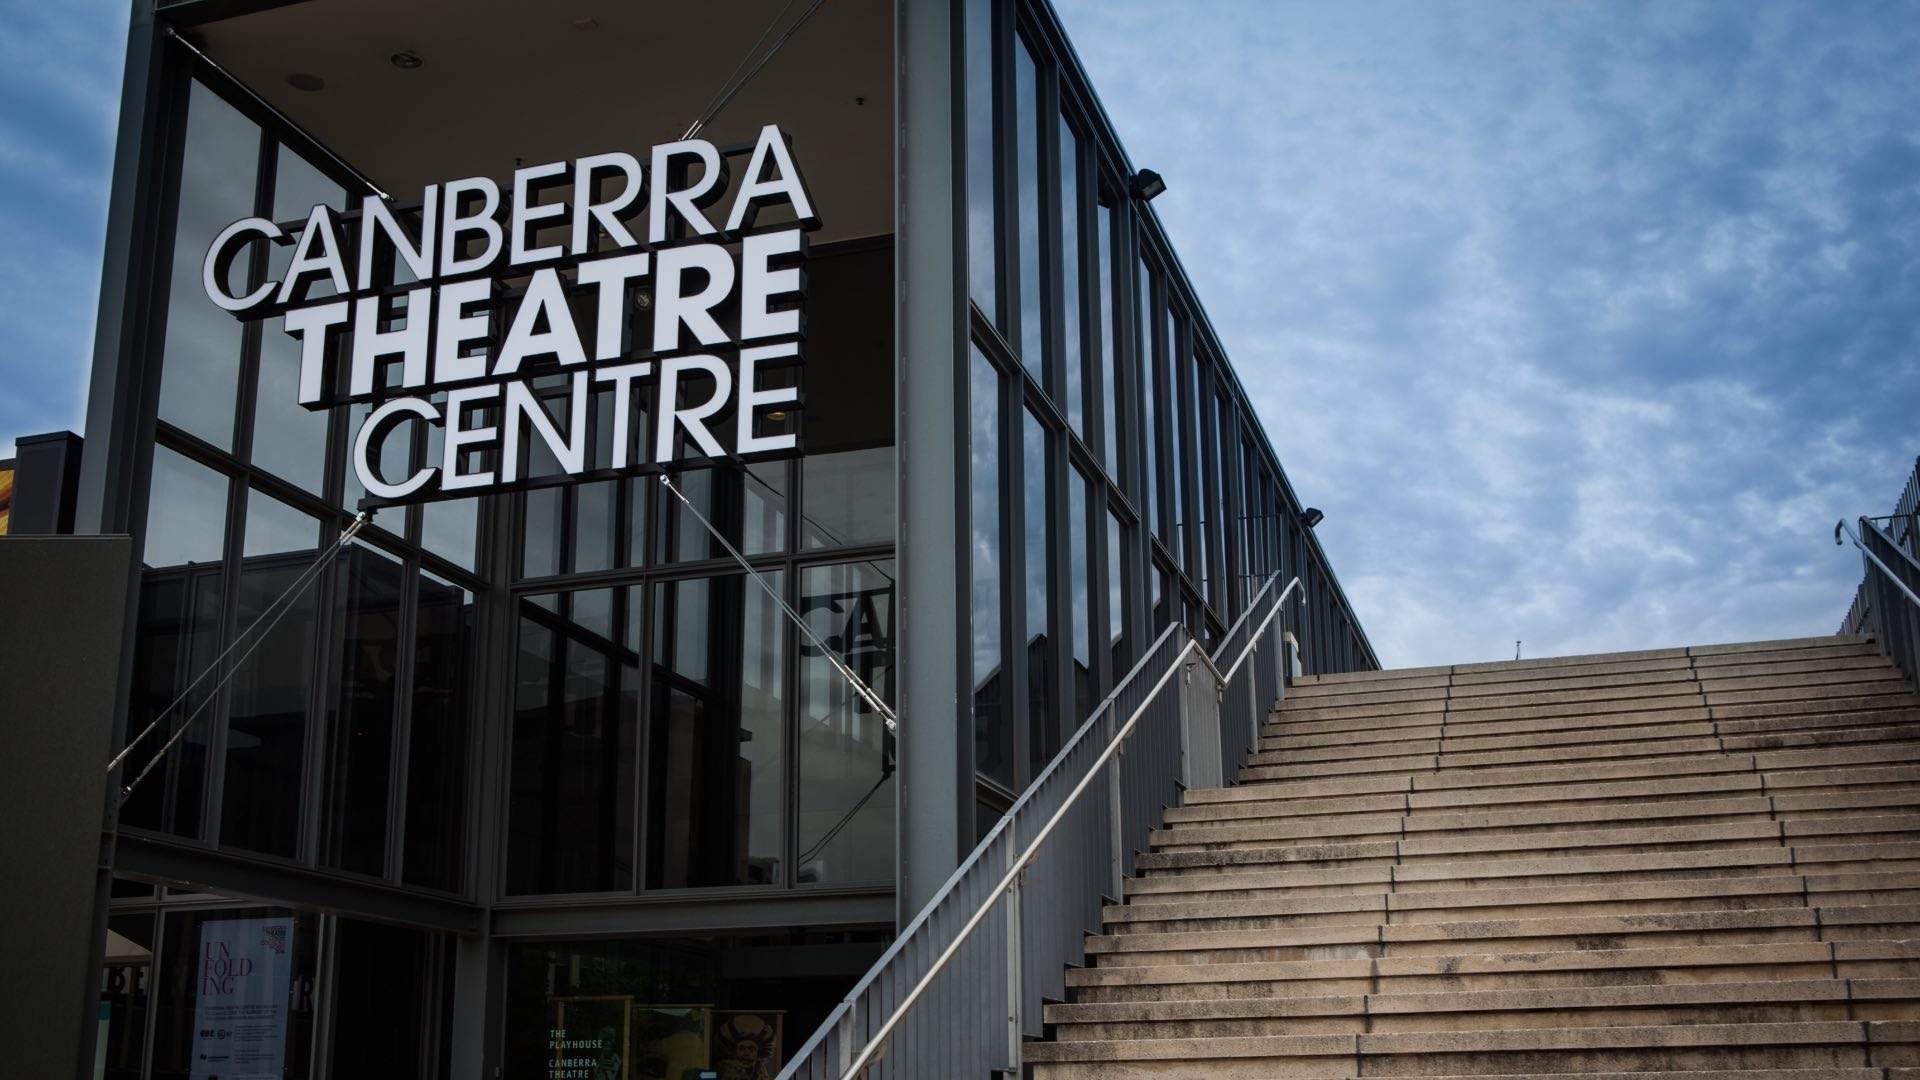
{"points": [[451, 529], [1106, 278], [1043, 721], [267, 727], [1026, 126], [275, 995], [126, 981], [360, 735], [382, 998], [983, 215], [640, 493], [391, 459], [1179, 441], [541, 529], [289, 439], [848, 498], [1162, 595], [714, 760], [748, 505], [1151, 395], [1080, 581], [178, 636], [1116, 597], [217, 170], [594, 523], [846, 752], [576, 703], [437, 746], [1073, 356], [992, 738]]}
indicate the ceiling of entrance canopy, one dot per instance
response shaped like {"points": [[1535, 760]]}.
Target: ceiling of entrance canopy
{"points": [[507, 81]]}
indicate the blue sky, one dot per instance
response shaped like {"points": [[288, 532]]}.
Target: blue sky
{"points": [[1582, 322]]}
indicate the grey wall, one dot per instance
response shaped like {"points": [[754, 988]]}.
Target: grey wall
{"points": [[62, 605]]}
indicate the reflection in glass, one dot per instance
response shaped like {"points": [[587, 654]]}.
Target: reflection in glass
{"points": [[1179, 443], [289, 439], [181, 589], [1148, 379], [983, 215], [437, 748], [1026, 120], [1079, 580], [848, 498], [714, 760], [360, 732], [1116, 596], [594, 523], [267, 724], [1075, 389], [1106, 278], [992, 738], [571, 799], [450, 528], [1043, 722], [846, 753], [542, 524], [748, 505], [383, 1000], [126, 983], [202, 365]]}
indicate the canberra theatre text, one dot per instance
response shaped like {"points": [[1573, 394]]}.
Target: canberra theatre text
{"points": [[546, 281]]}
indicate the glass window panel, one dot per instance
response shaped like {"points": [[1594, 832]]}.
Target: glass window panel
{"points": [[846, 752], [1106, 279], [437, 747], [593, 525], [186, 512], [267, 726], [541, 529], [748, 505], [1178, 441], [126, 981], [382, 1000], [1073, 357], [181, 591], [289, 439], [1026, 113], [392, 459], [848, 498], [1080, 581], [1043, 721], [450, 528], [218, 166], [640, 493], [715, 781], [570, 805], [983, 214], [1162, 593], [1116, 596], [993, 738], [371, 587], [1148, 379]]}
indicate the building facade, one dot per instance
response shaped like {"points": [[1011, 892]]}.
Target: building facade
{"points": [[548, 779]]}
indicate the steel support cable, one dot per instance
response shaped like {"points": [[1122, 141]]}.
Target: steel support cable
{"points": [[833, 657], [713, 103], [728, 94], [270, 616]]}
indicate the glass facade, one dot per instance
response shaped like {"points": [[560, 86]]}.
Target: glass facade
{"points": [[565, 715]]}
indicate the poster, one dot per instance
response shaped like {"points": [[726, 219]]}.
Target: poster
{"points": [[588, 1040], [746, 1044], [241, 999]]}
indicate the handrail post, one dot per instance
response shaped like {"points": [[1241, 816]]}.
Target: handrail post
{"points": [[1117, 843], [1186, 719], [1015, 1002]]}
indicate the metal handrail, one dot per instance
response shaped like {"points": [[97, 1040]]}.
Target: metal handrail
{"points": [[1020, 862], [1841, 526]]}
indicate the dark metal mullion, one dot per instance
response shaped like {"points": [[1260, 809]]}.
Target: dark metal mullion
{"points": [[1013, 592], [643, 729], [790, 727], [1052, 261], [400, 752]]}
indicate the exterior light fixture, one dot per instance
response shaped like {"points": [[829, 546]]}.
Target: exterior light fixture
{"points": [[1311, 516], [407, 60], [1145, 185]]}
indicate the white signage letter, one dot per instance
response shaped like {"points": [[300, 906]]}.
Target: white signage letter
{"points": [[760, 285], [610, 214], [370, 343], [671, 305], [305, 260], [688, 203], [612, 275], [785, 183], [693, 419], [369, 476], [527, 185], [220, 256], [455, 225], [752, 399], [310, 324], [377, 221], [458, 437]]}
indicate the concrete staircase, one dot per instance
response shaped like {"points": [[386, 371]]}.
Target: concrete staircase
{"points": [[1681, 863]]}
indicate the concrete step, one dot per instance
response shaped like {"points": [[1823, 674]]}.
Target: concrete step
{"points": [[1715, 1048], [1589, 745], [1671, 965], [1560, 730], [1769, 1001], [1282, 725], [1415, 903], [1882, 679], [1506, 667], [1888, 922]]}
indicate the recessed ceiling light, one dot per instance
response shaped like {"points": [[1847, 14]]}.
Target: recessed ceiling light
{"points": [[307, 82], [406, 60]]}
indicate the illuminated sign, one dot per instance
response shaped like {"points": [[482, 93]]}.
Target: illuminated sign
{"points": [[544, 281]]}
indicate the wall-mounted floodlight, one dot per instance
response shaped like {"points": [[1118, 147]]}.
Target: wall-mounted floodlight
{"points": [[1145, 185], [1311, 516]]}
